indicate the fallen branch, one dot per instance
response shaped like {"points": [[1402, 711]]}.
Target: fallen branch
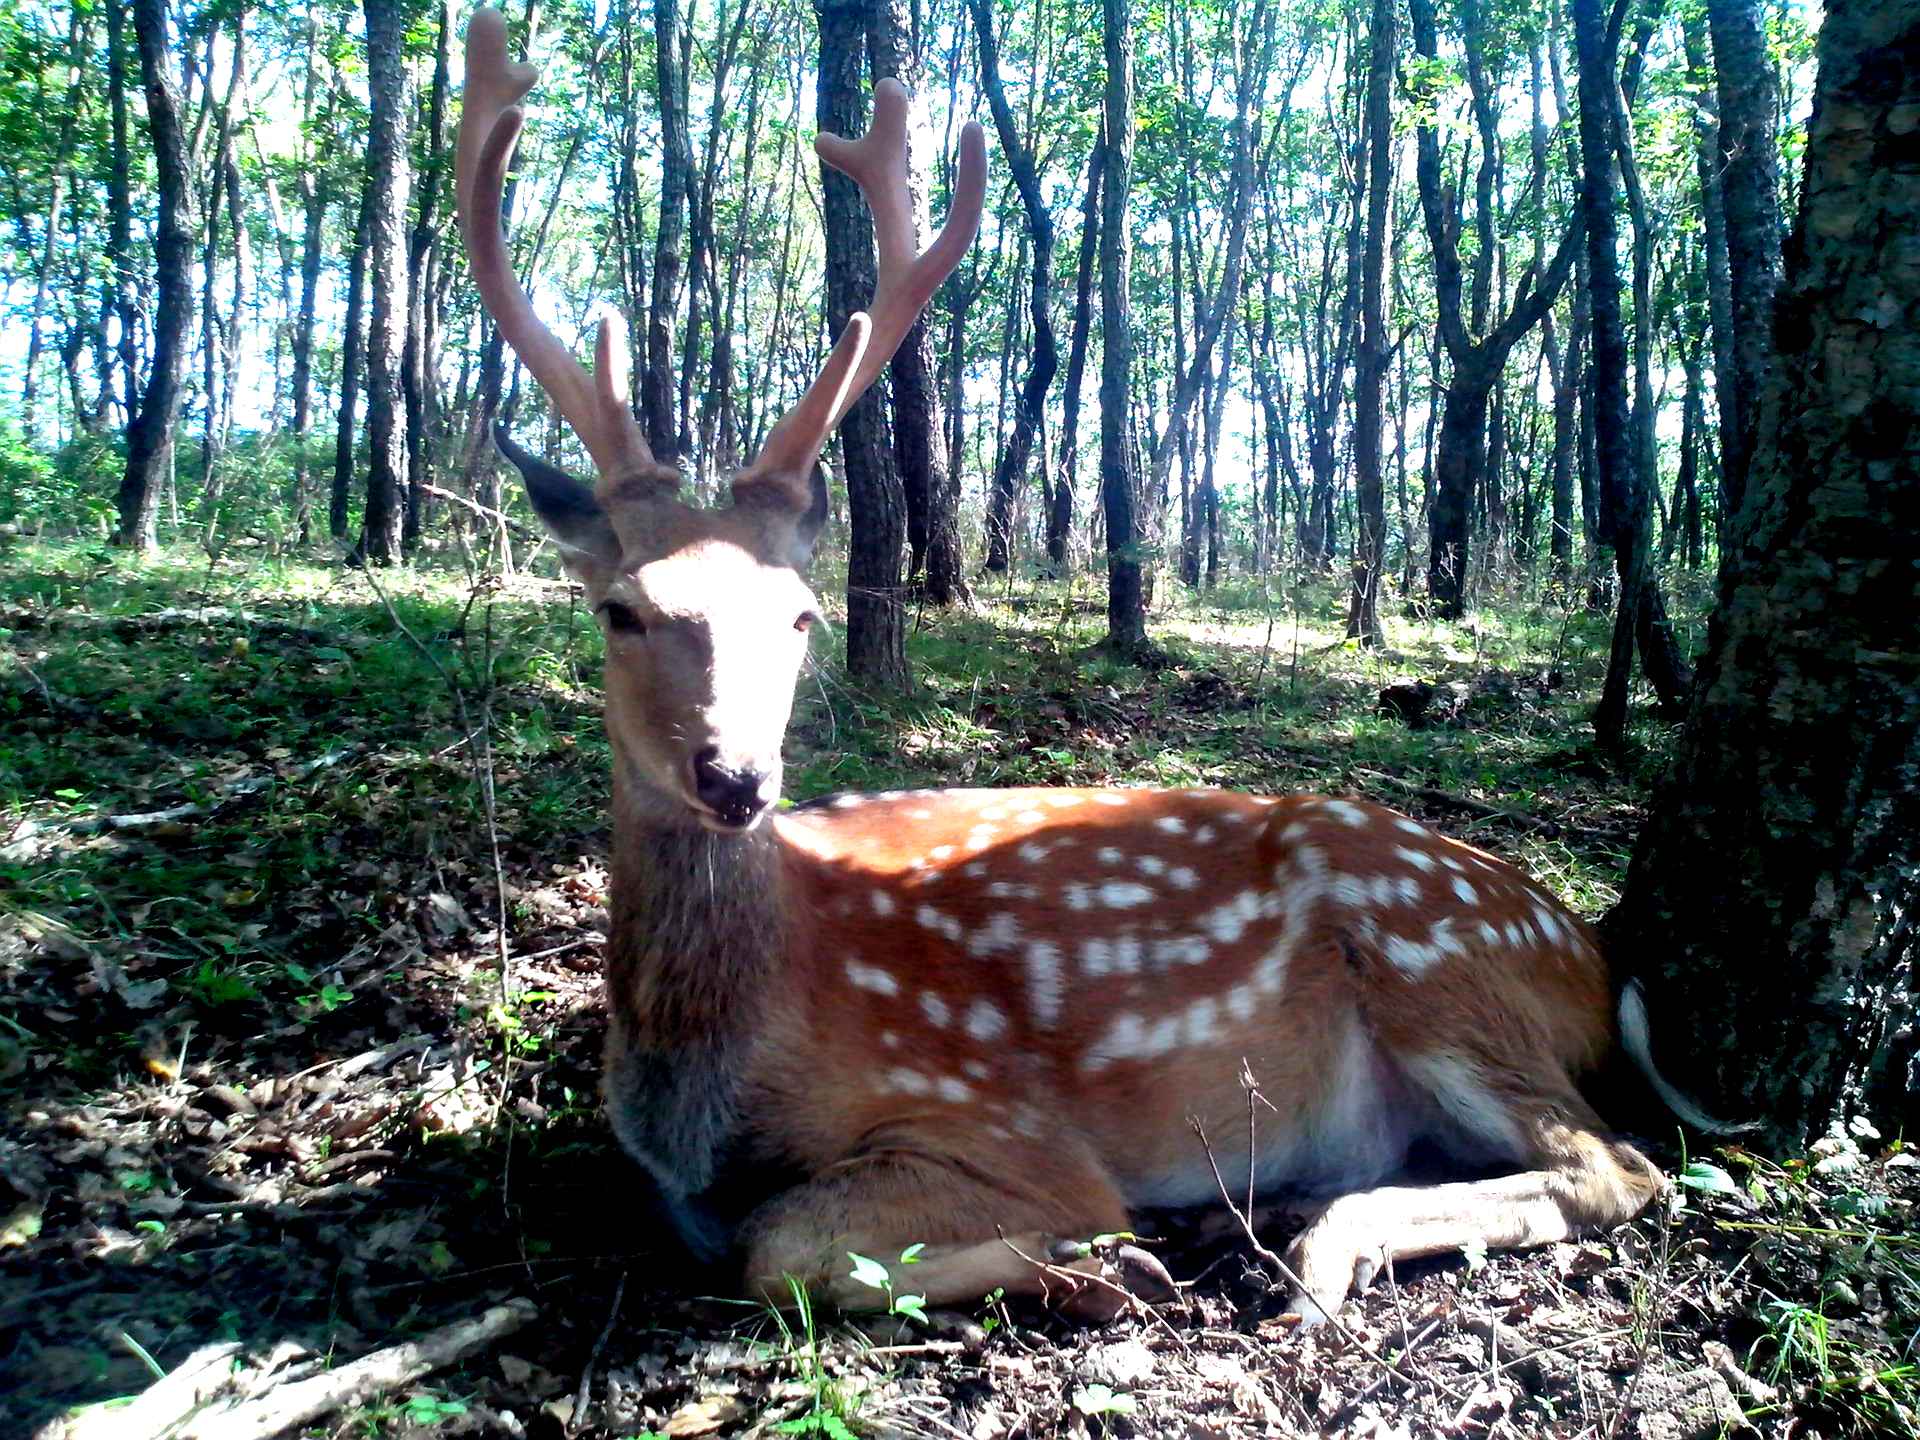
{"points": [[149, 819], [213, 1397]]}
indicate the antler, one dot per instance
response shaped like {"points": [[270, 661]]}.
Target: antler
{"points": [[877, 162], [595, 405]]}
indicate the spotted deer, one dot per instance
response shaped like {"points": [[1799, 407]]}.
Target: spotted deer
{"points": [[985, 1020]]}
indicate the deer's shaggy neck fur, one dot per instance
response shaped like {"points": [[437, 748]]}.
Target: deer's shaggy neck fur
{"points": [[696, 933]]}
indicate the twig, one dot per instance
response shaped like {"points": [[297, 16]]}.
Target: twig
{"points": [[1286, 1270], [522, 531], [575, 1420]]}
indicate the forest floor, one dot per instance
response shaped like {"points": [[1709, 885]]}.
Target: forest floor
{"points": [[288, 1079]]}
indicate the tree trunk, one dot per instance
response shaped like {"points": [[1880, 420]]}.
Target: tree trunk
{"points": [[1060, 502], [387, 185], [876, 509], [150, 428], [676, 188], [1010, 474], [929, 487], [1719, 279], [1767, 885], [1119, 484], [352, 348], [79, 42], [1370, 360], [417, 375], [1750, 189]]}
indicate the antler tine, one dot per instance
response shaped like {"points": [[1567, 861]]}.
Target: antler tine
{"points": [[877, 162], [490, 120]]}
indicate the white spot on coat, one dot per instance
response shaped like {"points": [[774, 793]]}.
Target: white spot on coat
{"points": [[882, 903], [1348, 812], [985, 1021], [935, 1009], [872, 977], [1123, 894], [1044, 987], [1468, 895]]}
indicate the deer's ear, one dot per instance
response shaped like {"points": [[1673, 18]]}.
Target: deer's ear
{"points": [[800, 531], [575, 519]]}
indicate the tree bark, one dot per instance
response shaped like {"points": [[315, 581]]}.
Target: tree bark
{"points": [[1750, 190], [876, 508], [929, 486], [669, 240], [150, 428], [417, 375], [352, 354], [1767, 884], [1060, 501], [1119, 483], [1010, 473], [387, 186], [1719, 279], [1370, 360]]}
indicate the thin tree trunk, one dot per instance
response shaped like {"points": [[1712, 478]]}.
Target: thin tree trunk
{"points": [[417, 371], [929, 488], [150, 428], [352, 350], [1750, 190], [1370, 360], [1060, 502], [387, 179], [876, 609], [669, 240], [1119, 485], [1010, 474]]}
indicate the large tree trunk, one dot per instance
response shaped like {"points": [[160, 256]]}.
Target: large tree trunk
{"points": [[1750, 188], [929, 486], [1370, 360], [876, 509], [150, 428], [1767, 884], [1119, 482], [1010, 473], [387, 185]]}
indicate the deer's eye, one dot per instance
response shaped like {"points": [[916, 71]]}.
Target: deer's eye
{"points": [[622, 620]]}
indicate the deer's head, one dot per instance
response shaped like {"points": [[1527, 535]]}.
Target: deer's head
{"points": [[705, 612]]}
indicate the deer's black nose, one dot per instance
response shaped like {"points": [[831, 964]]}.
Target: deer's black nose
{"points": [[731, 793]]}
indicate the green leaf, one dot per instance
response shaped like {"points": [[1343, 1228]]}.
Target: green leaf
{"points": [[870, 1273], [1093, 1400], [1707, 1179], [911, 1255], [914, 1307], [66, 794]]}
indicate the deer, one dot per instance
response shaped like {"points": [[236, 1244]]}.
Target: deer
{"points": [[987, 1022]]}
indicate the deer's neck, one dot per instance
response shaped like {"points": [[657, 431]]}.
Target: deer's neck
{"points": [[696, 937]]}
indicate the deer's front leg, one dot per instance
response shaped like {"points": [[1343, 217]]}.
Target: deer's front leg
{"points": [[979, 1233]]}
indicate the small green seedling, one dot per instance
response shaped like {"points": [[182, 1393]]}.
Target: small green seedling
{"points": [[875, 1276], [1096, 1401]]}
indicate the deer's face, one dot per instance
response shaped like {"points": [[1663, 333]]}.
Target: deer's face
{"points": [[706, 617]]}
